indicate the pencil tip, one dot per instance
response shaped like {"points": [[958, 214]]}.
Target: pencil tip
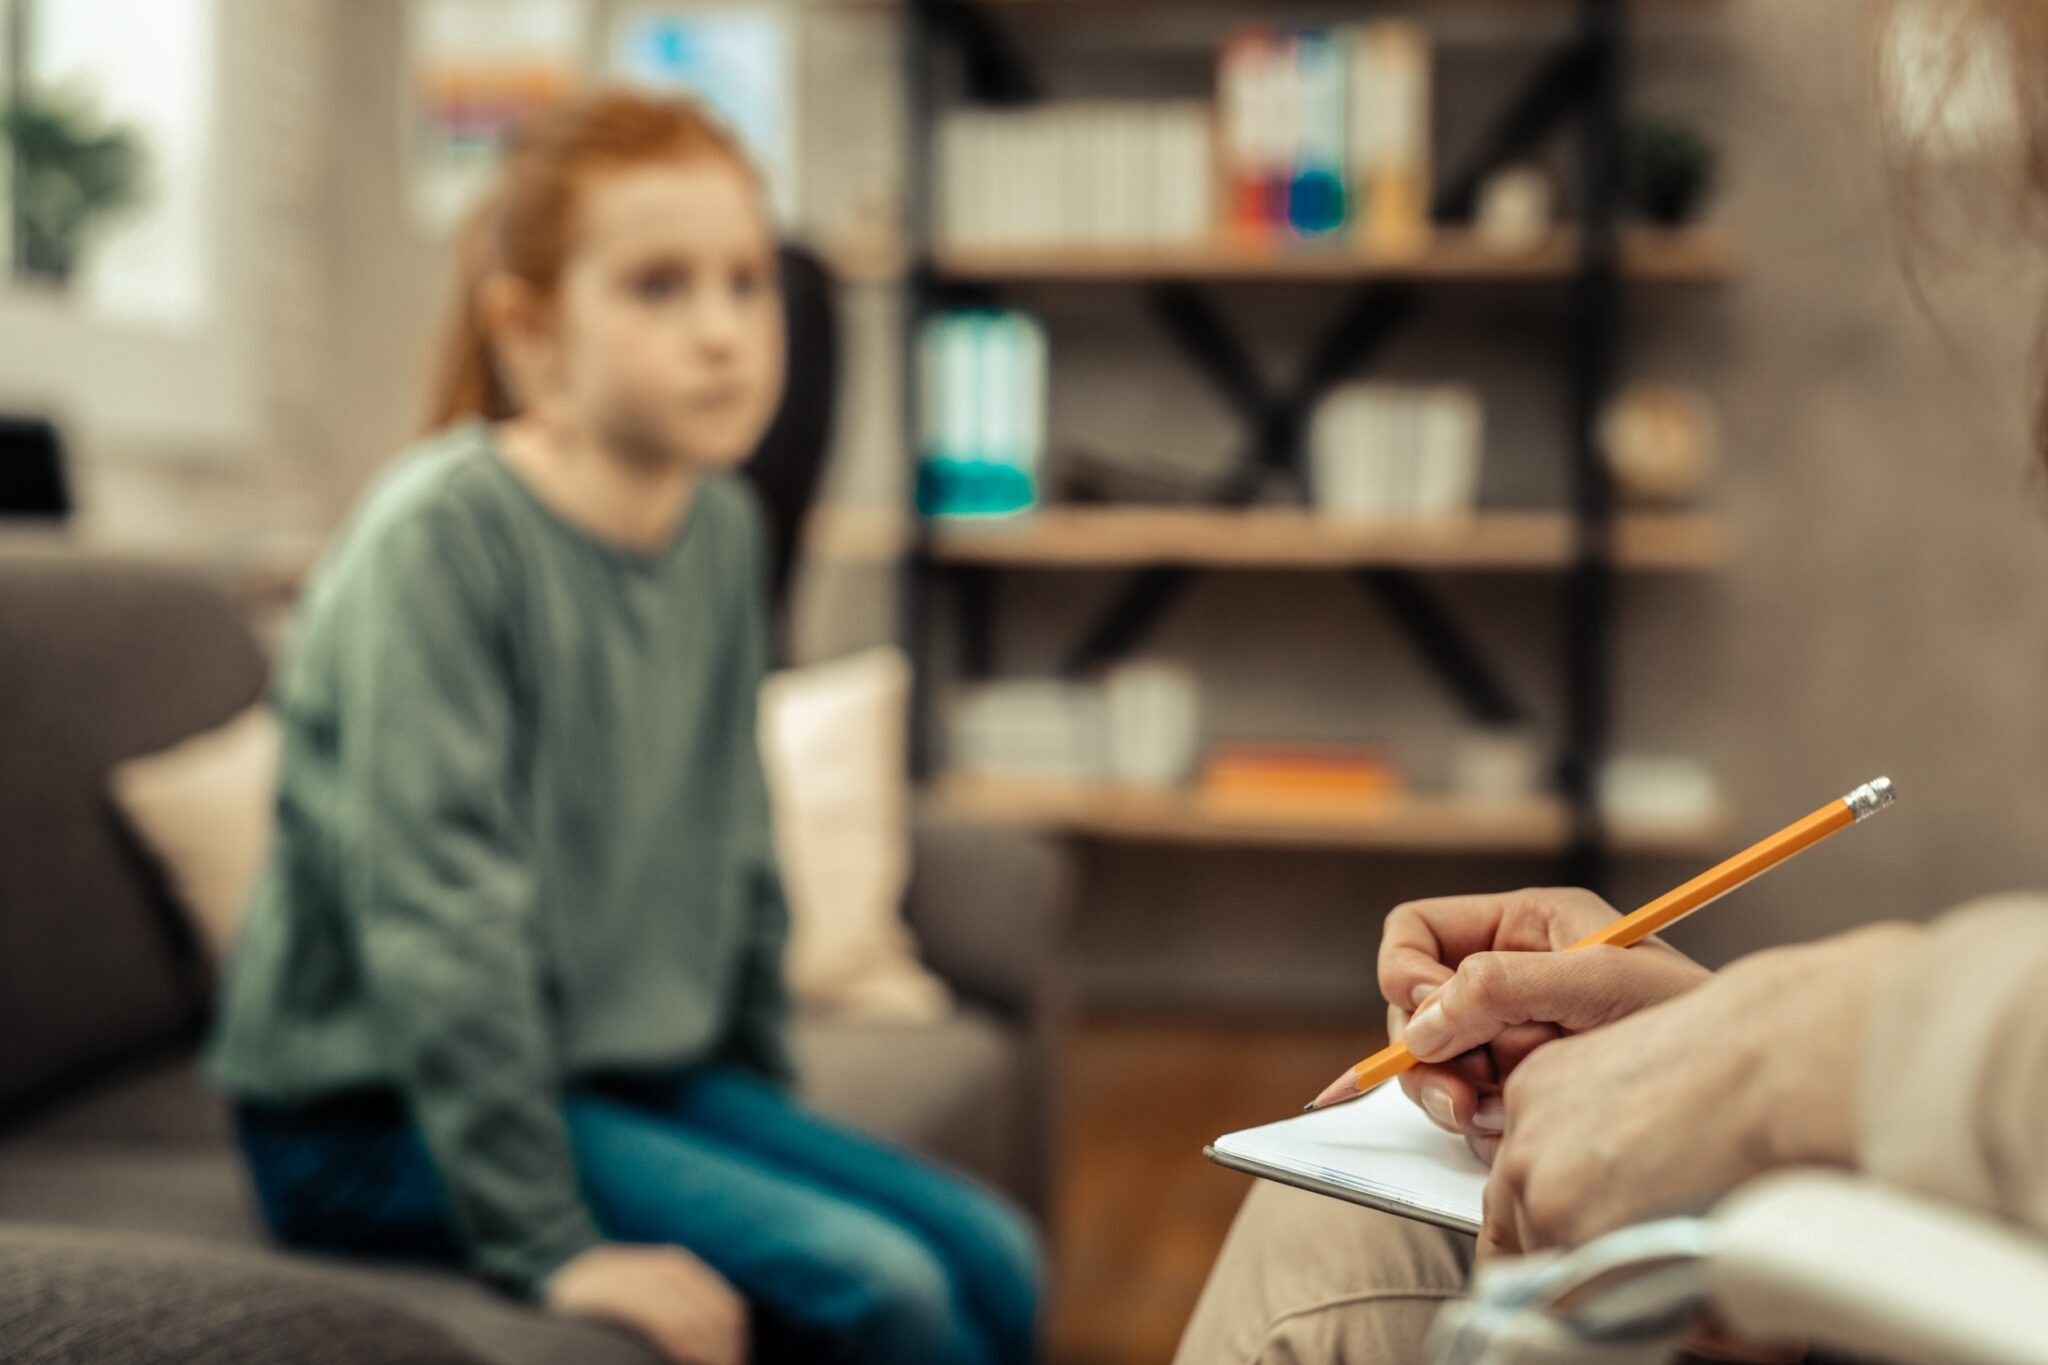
{"points": [[1309, 1108]]}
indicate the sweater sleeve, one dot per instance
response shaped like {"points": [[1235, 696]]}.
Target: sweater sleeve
{"points": [[760, 1026], [1953, 1095], [440, 890]]}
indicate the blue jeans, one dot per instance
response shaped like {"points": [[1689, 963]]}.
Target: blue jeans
{"points": [[845, 1248]]}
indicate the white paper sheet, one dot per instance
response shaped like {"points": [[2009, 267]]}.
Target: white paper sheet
{"points": [[1381, 1149]]}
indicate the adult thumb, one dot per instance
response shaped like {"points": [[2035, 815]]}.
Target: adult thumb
{"points": [[1495, 991]]}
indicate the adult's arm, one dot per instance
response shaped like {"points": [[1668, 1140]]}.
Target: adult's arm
{"points": [[1953, 1092]]}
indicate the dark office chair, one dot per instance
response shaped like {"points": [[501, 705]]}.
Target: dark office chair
{"points": [[786, 467], [988, 905]]}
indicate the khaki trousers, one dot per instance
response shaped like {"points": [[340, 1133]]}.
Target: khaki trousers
{"points": [[1308, 1280]]}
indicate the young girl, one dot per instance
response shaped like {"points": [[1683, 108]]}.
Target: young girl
{"points": [[510, 990]]}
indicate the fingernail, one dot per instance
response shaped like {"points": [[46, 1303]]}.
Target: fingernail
{"points": [[1420, 994], [1491, 1116], [1437, 1101], [1427, 1031]]}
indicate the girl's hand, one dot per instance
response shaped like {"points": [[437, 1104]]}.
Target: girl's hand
{"points": [[1669, 1110], [681, 1305], [1502, 987]]}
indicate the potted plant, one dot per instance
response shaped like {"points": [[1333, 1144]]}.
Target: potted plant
{"points": [[71, 171], [1667, 169]]}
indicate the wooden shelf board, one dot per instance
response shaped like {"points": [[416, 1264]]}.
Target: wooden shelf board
{"points": [[1073, 6], [1415, 823], [1690, 255], [1108, 537]]}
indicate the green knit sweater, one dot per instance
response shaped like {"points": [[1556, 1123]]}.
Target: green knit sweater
{"points": [[522, 831]]}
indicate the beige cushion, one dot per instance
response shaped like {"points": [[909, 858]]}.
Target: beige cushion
{"points": [[958, 1090], [203, 807], [832, 739]]}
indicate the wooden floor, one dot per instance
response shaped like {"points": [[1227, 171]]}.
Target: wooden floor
{"points": [[1141, 1212]]}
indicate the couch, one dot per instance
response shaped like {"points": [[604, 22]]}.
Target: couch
{"points": [[122, 1199]]}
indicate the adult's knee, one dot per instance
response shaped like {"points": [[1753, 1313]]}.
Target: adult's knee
{"points": [[1303, 1277]]}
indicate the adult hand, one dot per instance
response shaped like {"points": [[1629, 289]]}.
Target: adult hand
{"points": [[683, 1307], [1493, 985], [1668, 1110]]}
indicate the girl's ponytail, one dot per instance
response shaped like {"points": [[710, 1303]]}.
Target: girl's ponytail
{"points": [[465, 381]]}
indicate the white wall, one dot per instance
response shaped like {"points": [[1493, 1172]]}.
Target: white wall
{"points": [[191, 425]]}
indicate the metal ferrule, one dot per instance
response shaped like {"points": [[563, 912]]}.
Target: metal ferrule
{"points": [[1872, 797]]}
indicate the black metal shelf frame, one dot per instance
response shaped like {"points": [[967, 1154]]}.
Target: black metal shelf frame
{"points": [[1583, 78]]}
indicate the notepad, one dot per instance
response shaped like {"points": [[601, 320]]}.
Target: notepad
{"points": [[1380, 1151]]}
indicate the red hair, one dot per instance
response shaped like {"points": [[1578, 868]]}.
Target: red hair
{"points": [[527, 228]]}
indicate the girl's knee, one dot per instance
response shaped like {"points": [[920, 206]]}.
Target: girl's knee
{"points": [[889, 1299], [1020, 1260], [910, 1294], [1011, 1306], [1013, 1240]]}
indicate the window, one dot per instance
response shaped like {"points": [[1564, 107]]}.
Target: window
{"points": [[150, 68], [154, 342]]}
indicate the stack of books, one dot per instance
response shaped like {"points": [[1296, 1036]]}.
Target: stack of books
{"points": [[1083, 174], [1327, 133], [1390, 453], [982, 443], [1297, 779], [1028, 730], [1315, 134]]}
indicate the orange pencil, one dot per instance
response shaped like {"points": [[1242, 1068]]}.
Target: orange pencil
{"points": [[1669, 908]]}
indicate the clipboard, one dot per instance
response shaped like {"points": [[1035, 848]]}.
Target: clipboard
{"points": [[1379, 1152]]}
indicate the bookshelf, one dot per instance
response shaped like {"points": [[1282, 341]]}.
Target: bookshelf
{"points": [[1585, 541]]}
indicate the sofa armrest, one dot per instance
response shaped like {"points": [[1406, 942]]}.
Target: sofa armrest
{"points": [[75, 1294], [989, 905]]}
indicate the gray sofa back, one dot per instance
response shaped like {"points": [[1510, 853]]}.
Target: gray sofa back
{"points": [[99, 661]]}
